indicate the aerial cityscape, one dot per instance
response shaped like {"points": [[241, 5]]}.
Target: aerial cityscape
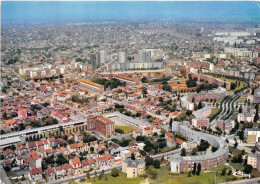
{"points": [[130, 92]]}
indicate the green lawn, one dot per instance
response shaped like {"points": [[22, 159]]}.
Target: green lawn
{"points": [[204, 177], [114, 180], [126, 129], [237, 166], [242, 84], [165, 178], [235, 151], [213, 111]]}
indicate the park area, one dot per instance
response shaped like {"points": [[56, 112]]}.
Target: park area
{"points": [[238, 87], [125, 129], [165, 177]]}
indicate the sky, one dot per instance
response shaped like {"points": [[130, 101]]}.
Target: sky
{"points": [[84, 11]]}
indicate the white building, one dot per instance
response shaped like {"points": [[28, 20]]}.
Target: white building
{"points": [[122, 57], [102, 57], [144, 56]]}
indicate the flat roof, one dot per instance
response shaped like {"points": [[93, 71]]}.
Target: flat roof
{"points": [[8, 141]]}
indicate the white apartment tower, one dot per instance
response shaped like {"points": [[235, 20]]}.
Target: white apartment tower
{"points": [[102, 56], [144, 56], [122, 57]]}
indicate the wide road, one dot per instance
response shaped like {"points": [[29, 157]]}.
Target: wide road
{"points": [[247, 181], [3, 177], [19, 76]]}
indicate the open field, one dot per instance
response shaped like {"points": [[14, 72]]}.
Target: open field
{"points": [[114, 180], [126, 129], [213, 111], [204, 177], [164, 178]]}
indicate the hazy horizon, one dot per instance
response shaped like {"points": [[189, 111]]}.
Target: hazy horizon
{"points": [[16, 12]]}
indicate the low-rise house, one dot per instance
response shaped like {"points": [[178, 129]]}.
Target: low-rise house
{"points": [[22, 150], [35, 174], [35, 160], [60, 172], [64, 151], [31, 146], [9, 154], [76, 166], [106, 160], [140, 146], [181, 143], [78, 137], [19, 160], [135, 152], [49, 174], [69, 169], [168, 135], [136, 132], [170, 142], [52, 142], [125, 154], [8, 163]]}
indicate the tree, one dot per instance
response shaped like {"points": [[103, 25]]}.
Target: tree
{"points": [[240, 109], [194, 169], [114, 172], [256, 117], [156, 164], [253, 150], [236, 144], [162, 159], [200, 106], [100, 177], [213, 149], [88, 175], [144, 80], [171, 120], [133, 156], [248, 169], [198, 169], [95, 173], [229, 172], [223, 173], [189, 174], [233, 86], [106, 177], [194, 151], [148, 161], [183, 152]]}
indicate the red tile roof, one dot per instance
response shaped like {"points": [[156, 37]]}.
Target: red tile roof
{"points": [[75, 161], [35, 171]]}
